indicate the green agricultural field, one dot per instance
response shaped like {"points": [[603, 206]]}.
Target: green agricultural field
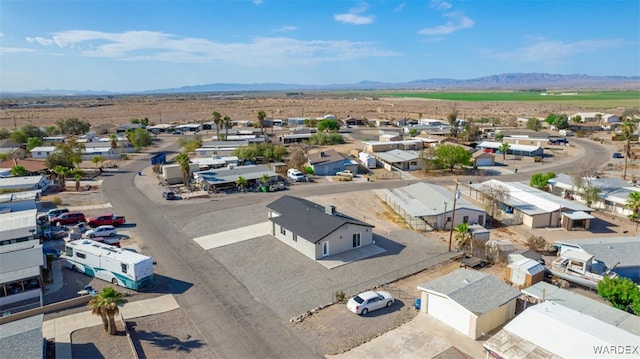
{"points": [[595, 99]]}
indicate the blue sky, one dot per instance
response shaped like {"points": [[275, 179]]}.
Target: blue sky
{"points": [[144, 45]]}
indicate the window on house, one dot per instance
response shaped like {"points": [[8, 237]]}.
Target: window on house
{"points": [[283, 231], [481, 219], [295, 237], [465, 219], [356, 240], [124, 267]]}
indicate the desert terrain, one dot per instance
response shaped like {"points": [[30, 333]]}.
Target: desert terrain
{"points": [[105, 113]]}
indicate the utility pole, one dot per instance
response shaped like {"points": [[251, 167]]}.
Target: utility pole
{"points": [[453, 214]]}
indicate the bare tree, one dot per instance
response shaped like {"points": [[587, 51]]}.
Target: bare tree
{"points": [[583, 183], [493, 195], [297, 156]]}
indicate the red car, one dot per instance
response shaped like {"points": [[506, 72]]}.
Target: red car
{"points": [[106, 219], [68, 218]]}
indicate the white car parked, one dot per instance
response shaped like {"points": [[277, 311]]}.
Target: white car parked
{"points": [[296, 175], [101, 231], [366, 302]]}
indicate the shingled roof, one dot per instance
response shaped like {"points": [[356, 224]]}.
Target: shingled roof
{"points": [[307, 219], [475, 291]]}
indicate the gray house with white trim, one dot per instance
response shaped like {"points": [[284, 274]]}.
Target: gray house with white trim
{"points": [[314, 230]]}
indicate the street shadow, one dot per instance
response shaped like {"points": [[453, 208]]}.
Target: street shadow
{"points": [[167, 285], [128, 225], [161, 340], [88, 350]]}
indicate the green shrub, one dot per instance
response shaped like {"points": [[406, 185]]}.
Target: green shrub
{"points": [[56, 200]]}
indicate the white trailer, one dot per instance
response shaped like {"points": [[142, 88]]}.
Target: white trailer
{"points": [[109, 263], [367, 160]]}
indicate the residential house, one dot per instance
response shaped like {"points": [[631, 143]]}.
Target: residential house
{"points": [[32, 166], [471, 302], [390, 137], [514, 149], [329, 162], [551, 330], [399, 159], [427, 206], [23, 338], [13, 150], [225, 178], [598, 309], [21, 258], [619, 253], [189, 127], [314, 230], [383, 146], [27, 183], [613, 195], [533, 207], [42, 152]]}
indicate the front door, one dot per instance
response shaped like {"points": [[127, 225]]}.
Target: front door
{"points": [[325, 249]]}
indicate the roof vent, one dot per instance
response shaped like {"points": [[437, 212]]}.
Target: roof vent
{"points": [[466, 281], [330, 209]]}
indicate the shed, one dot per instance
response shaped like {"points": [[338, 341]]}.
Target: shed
{"points": [[524, 272], [471, 302], [499, 250]]}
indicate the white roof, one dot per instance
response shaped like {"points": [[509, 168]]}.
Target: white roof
{"points": [[579, 255], [395, 156], [12, 182], [405, 142], [568, 333], [512, 146], [527, 265], [43, 149], [17, 224]]}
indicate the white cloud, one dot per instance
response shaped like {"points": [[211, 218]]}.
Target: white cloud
{"points": [[458, 21], [40, 40], [440, 5], [285, 28], [355, 16], [261, 51], [14, 50], [544, 50], [399, 7]]}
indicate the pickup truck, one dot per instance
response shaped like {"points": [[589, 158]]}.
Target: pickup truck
{"points": [[345, 173], [106, 219]]}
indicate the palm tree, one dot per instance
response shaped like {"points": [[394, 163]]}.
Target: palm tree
{"points": [[504, 148], [114, 140], [19, 171], [105, 304], [226, 121], [627, 133], [464, 237], [62, 173], [77, 176], [96, 160], [633, 203], [261, 116], [183, 161], [242, 183], [217, 119]]}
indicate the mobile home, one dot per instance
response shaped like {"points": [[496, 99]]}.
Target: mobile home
{"points": [[109, 263]]}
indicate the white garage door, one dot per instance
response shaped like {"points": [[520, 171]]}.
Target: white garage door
{"points": [[484, 162], [448, 312]]}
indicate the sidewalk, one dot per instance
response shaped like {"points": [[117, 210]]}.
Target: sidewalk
{"points": [[62, 328]]}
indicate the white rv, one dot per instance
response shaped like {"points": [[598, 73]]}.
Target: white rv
{"points": [[109, 263]]}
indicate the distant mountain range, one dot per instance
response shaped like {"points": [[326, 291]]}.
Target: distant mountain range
{"points": [[509, 81]]}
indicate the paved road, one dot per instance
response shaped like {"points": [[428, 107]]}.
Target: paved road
{"points": [[233, 324]]}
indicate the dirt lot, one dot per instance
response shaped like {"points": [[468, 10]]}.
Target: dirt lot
{"points": [[196, 107]]}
